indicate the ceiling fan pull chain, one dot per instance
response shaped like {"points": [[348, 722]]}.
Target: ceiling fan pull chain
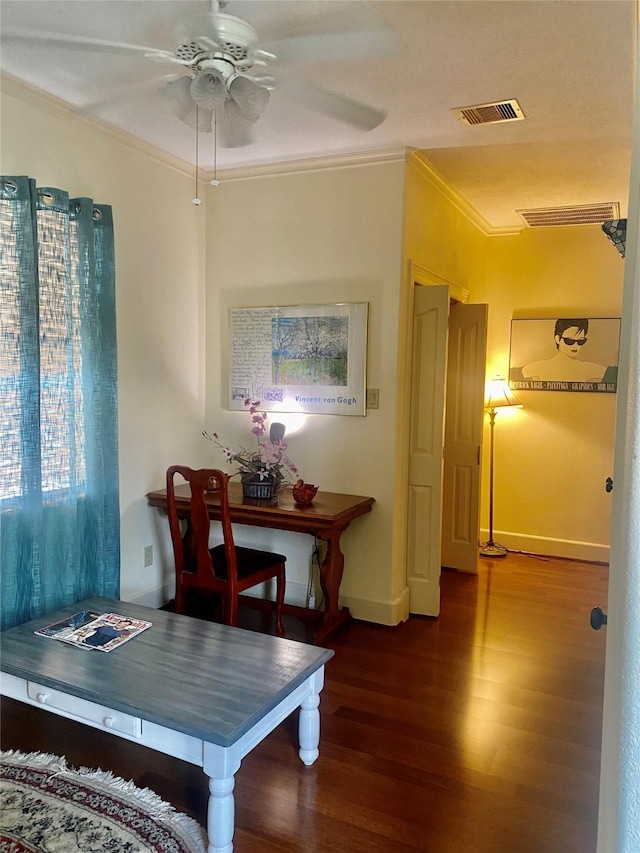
{"points": [[196, 200], [215, 182]]}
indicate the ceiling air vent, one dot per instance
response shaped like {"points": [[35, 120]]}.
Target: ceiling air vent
{"points": [[583, 214], [490, 113]]}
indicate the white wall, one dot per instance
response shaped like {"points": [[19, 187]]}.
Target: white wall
{"points": [[318, 238], [159, 304]]}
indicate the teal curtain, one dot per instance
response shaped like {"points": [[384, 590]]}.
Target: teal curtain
{"points": [[59, 505]]}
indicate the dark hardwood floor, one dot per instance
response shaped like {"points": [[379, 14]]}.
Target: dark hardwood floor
{"points": [[478, 731]]}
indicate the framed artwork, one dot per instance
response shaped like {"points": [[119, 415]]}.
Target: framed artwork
{"points": [[302, 358], [565, 354]]}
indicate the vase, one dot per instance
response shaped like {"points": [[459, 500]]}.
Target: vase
{"points": [[260, 489]]}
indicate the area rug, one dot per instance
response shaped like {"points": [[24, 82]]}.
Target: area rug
{"points": [[48, 807]]}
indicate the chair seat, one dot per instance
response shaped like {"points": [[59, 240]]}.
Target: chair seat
{"points": [[250, 561]]}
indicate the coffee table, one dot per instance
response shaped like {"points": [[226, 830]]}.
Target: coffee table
{"points": [[201, 692]]}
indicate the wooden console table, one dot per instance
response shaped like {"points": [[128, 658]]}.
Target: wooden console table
{"points": [[326, 518]]}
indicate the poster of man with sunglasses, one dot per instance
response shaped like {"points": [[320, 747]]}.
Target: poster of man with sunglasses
{"points": [[565, 354]]}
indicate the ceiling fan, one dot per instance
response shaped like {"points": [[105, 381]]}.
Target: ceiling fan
{"points": [[225, 63]]}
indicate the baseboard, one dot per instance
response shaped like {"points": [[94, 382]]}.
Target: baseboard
{"points": [[591, 552], [154, 597], [295, 593], [381, 612]]}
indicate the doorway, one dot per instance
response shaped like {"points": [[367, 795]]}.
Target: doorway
{"points": [[447, 390]]}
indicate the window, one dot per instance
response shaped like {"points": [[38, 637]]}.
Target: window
{"points": [[62, 433]]}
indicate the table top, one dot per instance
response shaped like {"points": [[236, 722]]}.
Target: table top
{"points": [[206, 680], [329, 509]]}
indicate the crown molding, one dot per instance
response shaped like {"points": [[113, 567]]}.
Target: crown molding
{"points": [[10, 85], [330, 162], [429, 171], [14, 87]]}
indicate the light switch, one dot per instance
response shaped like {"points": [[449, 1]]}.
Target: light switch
{"points": [[373, 398]]}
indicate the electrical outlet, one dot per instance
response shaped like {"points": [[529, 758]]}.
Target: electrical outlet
{"points": [[148, 555], [312, 602]]}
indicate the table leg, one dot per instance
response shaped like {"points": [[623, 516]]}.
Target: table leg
{"points": [[220, 764], [309, 721], [330, 578]]}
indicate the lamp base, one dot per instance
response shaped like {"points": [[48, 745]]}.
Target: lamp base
{"points": [[492, 549]]}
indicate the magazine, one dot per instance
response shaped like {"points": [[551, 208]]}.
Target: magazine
{"points": [[64, 627], [88, 630]]}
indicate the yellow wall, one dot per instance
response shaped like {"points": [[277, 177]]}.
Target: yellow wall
{"points": [[445, 247], [318, 238], [554, 455], [438, 235]]}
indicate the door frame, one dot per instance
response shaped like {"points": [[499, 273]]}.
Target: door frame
{"points": [[619, 804]]}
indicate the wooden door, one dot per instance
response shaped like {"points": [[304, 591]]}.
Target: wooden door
{"points": [[463, 436], [426, 439]]}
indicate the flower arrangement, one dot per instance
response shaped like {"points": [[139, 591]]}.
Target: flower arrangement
{"points": [[269, 462]]}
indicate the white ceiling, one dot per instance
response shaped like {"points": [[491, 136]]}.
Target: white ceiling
{"points": [[569, 64]]}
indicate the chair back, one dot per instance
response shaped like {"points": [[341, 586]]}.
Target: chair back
{"points": [[193, 554]]}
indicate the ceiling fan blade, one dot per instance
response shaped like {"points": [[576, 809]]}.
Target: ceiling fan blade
{"points": [[204, 119], [237, 131], [177, 97], [232, 137], [330, 103], [195, 27], [67, 42], [126, 92], [381, 40]]}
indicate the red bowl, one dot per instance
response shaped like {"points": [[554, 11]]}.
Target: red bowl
{"points": [[304, 495]]}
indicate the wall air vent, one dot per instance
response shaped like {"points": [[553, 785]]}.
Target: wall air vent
{"points": [[499, 111], [582, 214]]}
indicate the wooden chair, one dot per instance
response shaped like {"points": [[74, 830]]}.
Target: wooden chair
{"points": [[227, 569]]}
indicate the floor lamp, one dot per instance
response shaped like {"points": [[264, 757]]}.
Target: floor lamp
{"points": [[498, 396]]}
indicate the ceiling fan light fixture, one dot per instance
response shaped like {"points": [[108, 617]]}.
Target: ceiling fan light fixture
{"points": [[209, 89], [248, 99]]}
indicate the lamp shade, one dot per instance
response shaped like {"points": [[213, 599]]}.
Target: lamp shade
{"points": [[177, 94], [249, 99], [499, 395], [616, 231], [209, 89]]}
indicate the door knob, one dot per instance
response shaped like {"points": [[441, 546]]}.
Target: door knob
{"points": [[597, 618], [608, 486]]}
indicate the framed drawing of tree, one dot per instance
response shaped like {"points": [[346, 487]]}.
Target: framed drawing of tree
{"points": [[300, 358]]}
